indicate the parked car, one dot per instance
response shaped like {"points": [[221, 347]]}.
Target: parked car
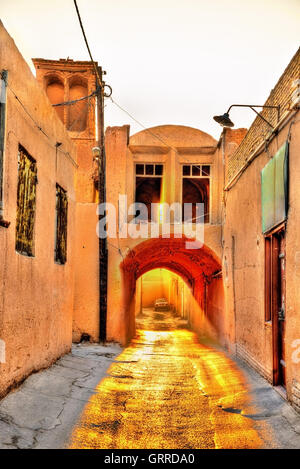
{"points": [[161, 304]]}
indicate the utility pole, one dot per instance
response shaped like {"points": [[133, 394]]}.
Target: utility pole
{"points": [[103, 253]]}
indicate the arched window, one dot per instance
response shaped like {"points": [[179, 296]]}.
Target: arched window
{"points": [[195, 188], [78, 112], [55, 92]]}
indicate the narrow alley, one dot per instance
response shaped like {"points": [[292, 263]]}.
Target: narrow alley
{"points": [[149, 232], [165, 390]]}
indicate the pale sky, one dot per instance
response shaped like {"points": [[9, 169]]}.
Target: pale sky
{"points": [[168, 61]]}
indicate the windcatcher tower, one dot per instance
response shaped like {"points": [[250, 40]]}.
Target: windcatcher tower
{"points": [[65, 81]]}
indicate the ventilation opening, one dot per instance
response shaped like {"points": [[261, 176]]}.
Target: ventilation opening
{"points": [[85, 338], [78, 112], [55, 92]]}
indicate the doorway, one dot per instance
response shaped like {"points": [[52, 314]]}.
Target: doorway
{"points": [[276, 301]]}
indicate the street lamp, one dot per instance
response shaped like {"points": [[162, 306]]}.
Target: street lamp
{"points": [[96, 151], [225, 121]]}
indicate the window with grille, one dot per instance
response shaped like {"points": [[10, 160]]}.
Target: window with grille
{"points": [[196, 188], [26, 203], [61, 225]]}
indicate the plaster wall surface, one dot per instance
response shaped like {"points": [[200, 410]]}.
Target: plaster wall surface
{"points": [[86, 293], [244, 261], [36, 294], [172, 146], [281, 95], [244, 242], [155, 285], [74, 80]]}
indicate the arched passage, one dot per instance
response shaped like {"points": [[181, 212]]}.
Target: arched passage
{"points": [[200, 269], [161, 295]]}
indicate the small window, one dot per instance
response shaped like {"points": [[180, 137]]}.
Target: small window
{"points": [[196, 170], [205, 171], [159, 169], [186, 170], [26, 203], [61, 225], [140, 169], [149, 169]]}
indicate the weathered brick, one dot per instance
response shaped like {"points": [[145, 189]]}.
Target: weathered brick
{"points": [[280, 95]]}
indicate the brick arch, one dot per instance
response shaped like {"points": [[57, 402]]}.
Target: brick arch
{"points": [[77, 80], [175, 268], [172, 254], [53, 77], [55, 89], [195, 266]]}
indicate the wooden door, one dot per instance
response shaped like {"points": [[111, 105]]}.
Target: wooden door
{"points": [[281, 312], [278, 307]]}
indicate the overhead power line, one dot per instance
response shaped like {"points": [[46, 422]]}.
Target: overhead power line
{"points": [[142, 125], [87, 45], [149, 131], [109, 96], [37, 125], [69, 103], [101, 84]]}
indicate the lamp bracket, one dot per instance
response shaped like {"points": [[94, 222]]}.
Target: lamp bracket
{"points": [[252, 106]]}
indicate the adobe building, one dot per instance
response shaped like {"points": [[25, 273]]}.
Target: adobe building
{"points": [[67, 81], [37, 224], [166, 164], [48, 211], [261, 253], [50, 243], [64, 81]]}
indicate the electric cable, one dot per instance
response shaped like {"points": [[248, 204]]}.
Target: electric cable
{"points": [[110, 97], [69, 103], [37, 125], [151, 132], [87, 45]]}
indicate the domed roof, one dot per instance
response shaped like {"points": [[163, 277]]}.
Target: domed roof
{"points": [[174, 136]]}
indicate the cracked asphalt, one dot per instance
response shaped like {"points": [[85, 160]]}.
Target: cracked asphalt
{"points": [[166, 390], [42, 412]]}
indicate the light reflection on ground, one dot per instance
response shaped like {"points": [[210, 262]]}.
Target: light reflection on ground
{"points": [[168, 391]]}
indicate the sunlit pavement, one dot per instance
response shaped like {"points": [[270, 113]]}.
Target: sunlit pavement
{"points": [[166, 390]]}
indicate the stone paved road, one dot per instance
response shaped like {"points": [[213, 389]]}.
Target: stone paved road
{"points": [[166, 390]]}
